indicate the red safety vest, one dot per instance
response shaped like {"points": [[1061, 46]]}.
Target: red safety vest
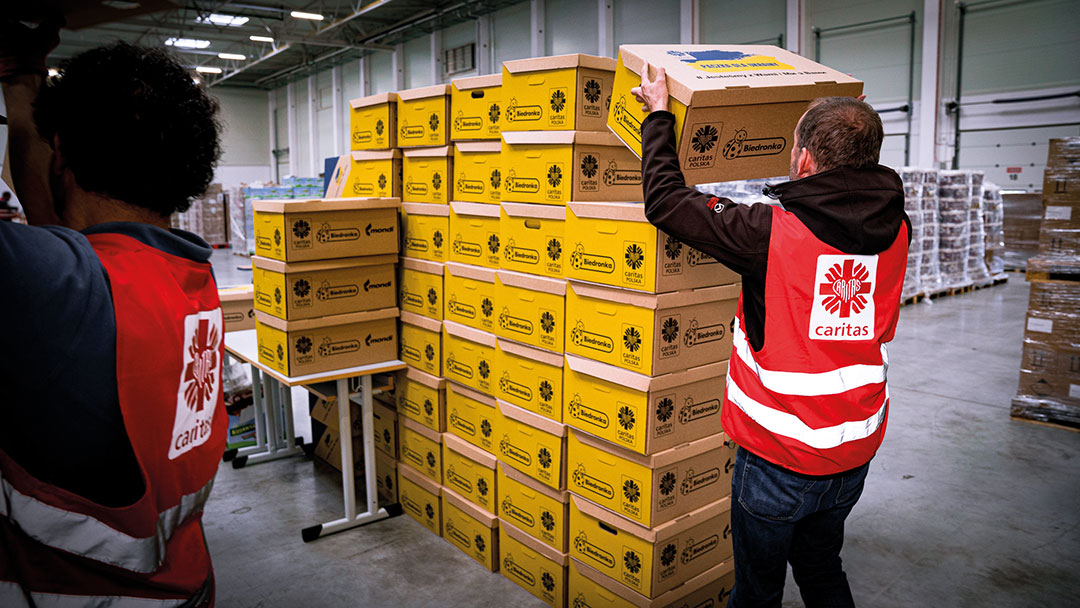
{"points": [[814, 399], [58, 549]]}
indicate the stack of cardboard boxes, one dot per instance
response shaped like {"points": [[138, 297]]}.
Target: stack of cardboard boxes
{"points": [[1050, 367]]}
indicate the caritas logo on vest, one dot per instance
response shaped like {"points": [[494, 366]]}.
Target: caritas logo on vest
{"points": [[844, 297], [200, 382]]}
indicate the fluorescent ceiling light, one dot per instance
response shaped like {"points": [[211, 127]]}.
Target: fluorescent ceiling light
{"points": [[260, 38], [187, 43], [234, 56], [303, 15], [208, 69], [223, 20], [54, 72]]}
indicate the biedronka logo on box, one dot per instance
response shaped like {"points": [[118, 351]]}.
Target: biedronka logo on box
{"points": [[200, 382], [844, 297]]}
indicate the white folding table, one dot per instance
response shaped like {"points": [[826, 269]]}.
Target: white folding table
{"points": [[270, 445]]}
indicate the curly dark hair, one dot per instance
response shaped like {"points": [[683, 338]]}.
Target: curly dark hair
{"points": [[133, 126]]}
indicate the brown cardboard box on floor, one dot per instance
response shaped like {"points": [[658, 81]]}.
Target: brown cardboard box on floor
{"points": [[735, 106]]}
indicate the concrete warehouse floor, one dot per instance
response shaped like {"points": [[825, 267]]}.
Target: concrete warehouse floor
{"points": [[963, 507]]}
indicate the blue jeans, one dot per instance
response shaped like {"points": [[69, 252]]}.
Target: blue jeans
{"points": [[780, 517]]}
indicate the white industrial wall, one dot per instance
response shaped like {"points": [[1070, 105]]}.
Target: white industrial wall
{"points": [[1011, 48]]}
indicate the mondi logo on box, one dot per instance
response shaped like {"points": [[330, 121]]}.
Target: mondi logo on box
{"points": [[715, 61], [739, 146]]}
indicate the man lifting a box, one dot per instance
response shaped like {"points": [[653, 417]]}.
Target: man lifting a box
{"points": [[806, 396]]}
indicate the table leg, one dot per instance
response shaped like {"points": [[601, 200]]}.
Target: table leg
{"points": [[276, 447], [260, 423]]}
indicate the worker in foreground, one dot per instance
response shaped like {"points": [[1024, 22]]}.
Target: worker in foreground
{"points": [[112, 423], [806, 397]]}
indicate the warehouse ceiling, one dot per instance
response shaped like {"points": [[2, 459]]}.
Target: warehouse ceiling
{"points": [[200, 31]]}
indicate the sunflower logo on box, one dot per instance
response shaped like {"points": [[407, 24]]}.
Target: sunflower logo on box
{"points": [[437, 239], [482, 488], [277, 237], [626, 418], [303, 345], [436, 180], [547, 322], [664, 409], [558, 101], [634, 256], [544, 457], [480, 544], [670, 330], [496, 179], [433, 122], [429, 352], [667, 555], [547, 581], [281, 352], [493, 243], [485, 428], [485, 369], [547, 520], [429, 511], [632, 561], [432, 296], [667, 483], [705, 139], [301, 228], [632, 339], [589, 166], [546, 392], [431, 460], [631, 491], [592, 91], [494, 113], [379, 127], [554, 250], [487, 307], [382, 181], [429, 408], [672, 248], [277, 295], [554, 176], [301, 288]]}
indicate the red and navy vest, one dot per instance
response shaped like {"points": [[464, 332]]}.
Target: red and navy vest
{"points": [[59, 549], [814, 399]]}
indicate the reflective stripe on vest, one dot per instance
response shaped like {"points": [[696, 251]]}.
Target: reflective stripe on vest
{"points": [[13, 596], [802, 384], [789, 425], [85, 536]]}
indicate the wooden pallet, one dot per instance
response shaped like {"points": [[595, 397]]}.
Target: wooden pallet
{"points": [[1048, 424], [915, 299]]}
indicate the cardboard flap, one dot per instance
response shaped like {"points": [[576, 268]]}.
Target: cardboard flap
{"points": [[669, 598], [624, 212], [469, 508], [383, 460], [528, 352], [597, 138], [436, 152], [558, 62], [562, 496], [468, 333], [700, 295], [416, 427], [422, 265], [686, 450], [478, 146], [783, 76], [657, 533], [324, 204], [477, 82], [540, 212], [478, 209], [514, 138], [536, 421], [421, 321], [425, 378], [346, 319], [469, 393], [535, 545], [381, 411], [556, 287], [362, 155], [614, 294], [468, 271], [316, 265], [470, 451], [372, 100], [688, 376], [242, 293], [420, 479], [426, 209], [611, 373], [423, 92]]}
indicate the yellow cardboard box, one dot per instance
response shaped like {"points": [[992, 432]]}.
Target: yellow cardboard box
{"points": [[238, 307], [421, 449], [559, 93], [532, 444], [422, 116], [421, 342], [471, 416], [533, 237], [422, 397], [652, 489], [322, 229], [470, 296], [470, 472], [653, 560], [613, 244], [476, 107], [650, 334], [533, 566], [591, 588], [310, 346], [386, 429], [553, 167], [532, 309], [474, 228], [735, 107], [420, 498], [425, 228], [534, 508], [373, 122], [644, 414], [373, 173], [422, 288], [305, 290], [480, 172], [428, 175], [469, 356], [471, 529], [530, 378]]}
